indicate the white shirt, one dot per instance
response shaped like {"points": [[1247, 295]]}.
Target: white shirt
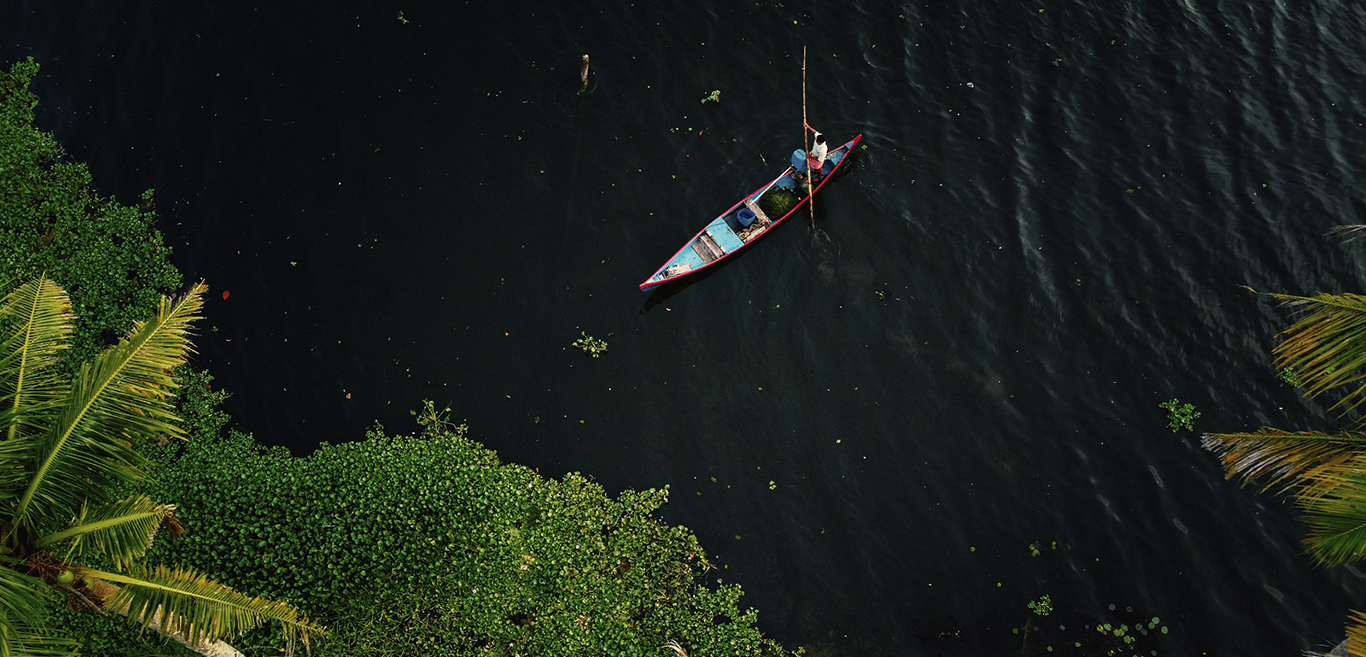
{"points": [[818, 152]]}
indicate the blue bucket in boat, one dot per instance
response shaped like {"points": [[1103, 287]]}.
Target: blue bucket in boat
{"points": [[799, 160], [745, 216]]}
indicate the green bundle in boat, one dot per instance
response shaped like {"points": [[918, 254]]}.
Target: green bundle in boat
{"points": [[777, 202]]}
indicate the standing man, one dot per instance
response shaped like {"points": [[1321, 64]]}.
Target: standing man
{"points": [[816, 158]]}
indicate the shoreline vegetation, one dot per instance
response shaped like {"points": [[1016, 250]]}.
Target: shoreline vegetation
{"points": [[401, 544]]}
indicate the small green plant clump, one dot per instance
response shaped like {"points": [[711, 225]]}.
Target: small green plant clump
{"points": [[715, 97], [777, 202], [1043, 606], [590, 345], [1289, 376], [1180, 416]]}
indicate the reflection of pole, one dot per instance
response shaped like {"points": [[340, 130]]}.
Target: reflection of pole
{"points": [[810, 188], [583, 76]]}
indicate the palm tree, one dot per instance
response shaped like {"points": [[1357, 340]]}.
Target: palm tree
{"points": [[1324, 472], [66, 450]]}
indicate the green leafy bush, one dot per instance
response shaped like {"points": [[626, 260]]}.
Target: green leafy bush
{"points": [[197, 404], [429, 545], [109, 257]]}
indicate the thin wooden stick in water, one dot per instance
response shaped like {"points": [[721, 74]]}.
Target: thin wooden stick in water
{"points": [[810, 187], [583, 76]]}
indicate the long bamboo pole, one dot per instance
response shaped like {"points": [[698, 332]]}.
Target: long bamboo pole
{"points": [[810, 187]]}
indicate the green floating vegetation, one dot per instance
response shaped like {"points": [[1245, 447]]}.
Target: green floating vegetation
{"points": [[1289, 376], [428, 544], [1126, 635], [109, 257], [590, 345], [777, 202], [714, 97], [1180, 416]]}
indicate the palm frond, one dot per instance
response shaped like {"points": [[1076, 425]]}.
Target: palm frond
{"points": [[1334, 505], [124, 397], [23, 616], [1349, 232], [1283, 454], [1356, 634], [15, 642], [35, 322], [123, 530], [1327, 347], [200, 609]]}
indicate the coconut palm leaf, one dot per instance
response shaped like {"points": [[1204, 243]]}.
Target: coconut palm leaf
{"points": [[1334, 505], [1282, 454], [123, 530], [1348, 233], [35, 322], [1327, 347], [1356, 634], [22, 616], [200, 609], [121, 399]]}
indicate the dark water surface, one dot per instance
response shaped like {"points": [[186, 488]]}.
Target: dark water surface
{"points": [[1060, 201]]}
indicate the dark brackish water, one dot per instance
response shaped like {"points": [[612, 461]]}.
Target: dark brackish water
{"points": [[1059, 201]]}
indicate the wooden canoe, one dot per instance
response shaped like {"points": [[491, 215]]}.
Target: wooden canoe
{"points": [[726, 235]]}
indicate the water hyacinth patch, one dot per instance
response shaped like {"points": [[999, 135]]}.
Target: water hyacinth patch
{"points": [[110, 257], [1180, 416], [590, 345], [428, 544]]}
